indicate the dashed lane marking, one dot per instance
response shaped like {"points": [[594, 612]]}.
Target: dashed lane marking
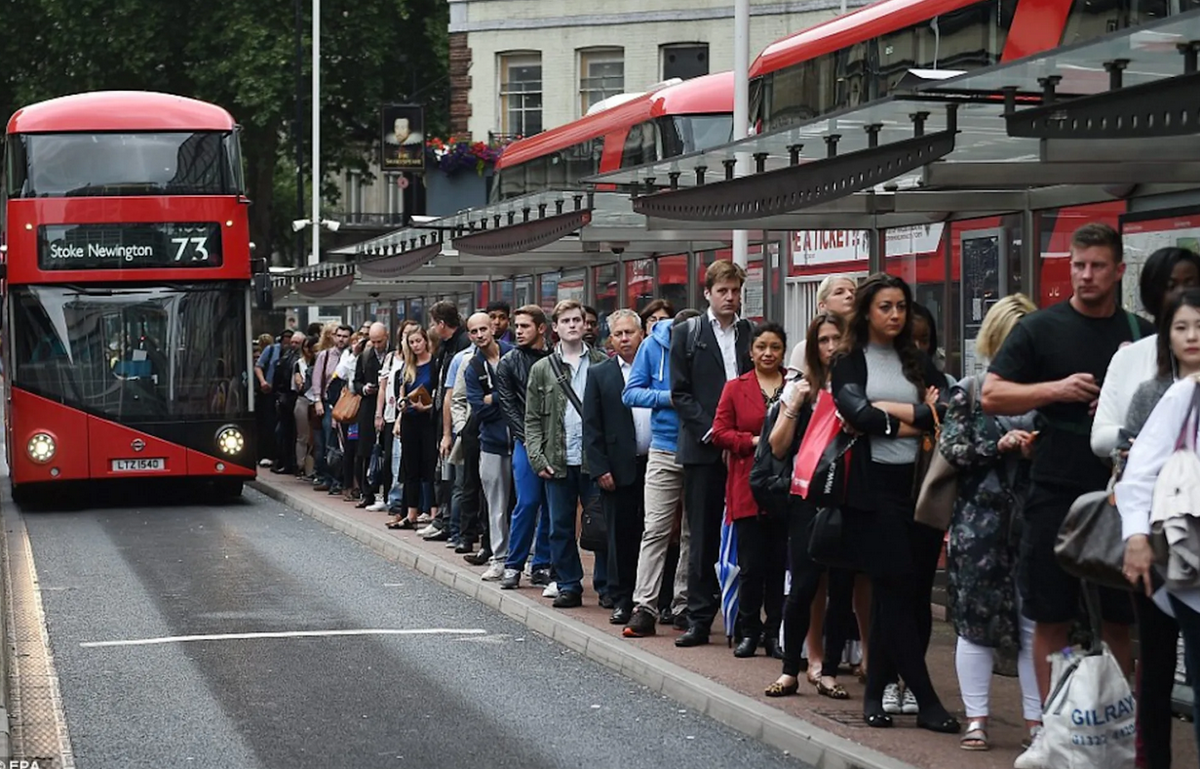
{"points": [[283, 634]]}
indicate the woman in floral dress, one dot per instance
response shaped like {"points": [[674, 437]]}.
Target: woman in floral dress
{"points": [[990, 455]]}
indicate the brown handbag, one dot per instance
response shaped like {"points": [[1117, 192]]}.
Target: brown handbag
{"points": [[938, 491], [345, 410]]}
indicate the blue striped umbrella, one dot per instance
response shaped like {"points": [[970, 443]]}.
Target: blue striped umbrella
{"points": [[727, 575]]}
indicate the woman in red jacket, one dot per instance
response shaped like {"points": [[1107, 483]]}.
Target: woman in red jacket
{"points": [[762, 540]]}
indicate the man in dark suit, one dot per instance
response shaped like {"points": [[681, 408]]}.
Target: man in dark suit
{"points": [[706, 352], [617, 441], [366, 384]]}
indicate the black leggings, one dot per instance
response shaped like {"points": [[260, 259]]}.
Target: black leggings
{"points": [[1158, 636], [806, 578], [418, 455], [762, 556]]}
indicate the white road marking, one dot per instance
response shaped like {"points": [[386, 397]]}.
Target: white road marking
{"points": [[282, 634]]}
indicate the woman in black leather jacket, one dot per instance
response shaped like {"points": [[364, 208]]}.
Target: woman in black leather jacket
{"points": [[887, 391]]}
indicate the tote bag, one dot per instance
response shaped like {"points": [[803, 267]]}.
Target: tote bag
{"points": [[823, 430], [345, 410]]}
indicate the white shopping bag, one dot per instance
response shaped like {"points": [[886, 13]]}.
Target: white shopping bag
{"points": [[1090, 714]]}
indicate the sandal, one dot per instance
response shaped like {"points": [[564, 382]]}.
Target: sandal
{"points": [[976, 738], [782, 690], [835, 692], [859, 672]]}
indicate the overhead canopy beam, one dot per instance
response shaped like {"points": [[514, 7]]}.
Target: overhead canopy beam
{"points": [[1021, 175], [522, 237], [1174, 148]]}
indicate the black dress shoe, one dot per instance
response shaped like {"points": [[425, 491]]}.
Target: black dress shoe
{"points": [[464, 548], [620, 616], [441, 535], [568, 601], [695, 636], [666, 617], [478, 559], [874, 716], [747, 647], [605, 602], [772, 647], [939, 721]]}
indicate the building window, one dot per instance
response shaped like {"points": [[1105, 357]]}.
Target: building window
{"points": [[601, 75], [520, 94], [684, 60]]}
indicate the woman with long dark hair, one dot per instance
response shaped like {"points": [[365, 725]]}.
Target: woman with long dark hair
{"points": [[1165, 273], [887, 390], [762, 539], [823, 340]]}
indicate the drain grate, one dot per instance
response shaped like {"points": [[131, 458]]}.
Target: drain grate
{"points": [[38, 729]]}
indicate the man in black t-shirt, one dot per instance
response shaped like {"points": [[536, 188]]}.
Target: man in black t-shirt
{"points": [[1053, 362]]}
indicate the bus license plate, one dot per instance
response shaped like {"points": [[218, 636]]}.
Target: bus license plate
{"points": [[138, 465]]}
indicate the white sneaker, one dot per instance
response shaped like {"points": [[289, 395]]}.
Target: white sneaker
{"points": [[908, 704], [891, 700], [495, 571], [424, 518], [1036, 756], [428, 531], [264, 463], [551, 591], [378, 507]]}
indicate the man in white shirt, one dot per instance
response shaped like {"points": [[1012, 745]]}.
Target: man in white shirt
{"points": [[617, 441]]}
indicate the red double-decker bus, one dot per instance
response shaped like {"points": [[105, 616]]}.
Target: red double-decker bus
{"points": [[127, 293]]}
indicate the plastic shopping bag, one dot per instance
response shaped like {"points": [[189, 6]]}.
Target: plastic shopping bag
{"points": [[1090, 715], [823, 429]]}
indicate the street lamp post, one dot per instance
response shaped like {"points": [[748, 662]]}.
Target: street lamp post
{"points": [[741, 109], [315, 256]]}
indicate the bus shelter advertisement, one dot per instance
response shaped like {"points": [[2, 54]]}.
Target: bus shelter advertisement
{"points": [[1143, 234]]}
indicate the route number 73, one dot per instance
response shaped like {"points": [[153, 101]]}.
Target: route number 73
{"points": [[191, 249]]}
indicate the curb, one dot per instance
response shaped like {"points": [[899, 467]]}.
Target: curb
{"points": [[821, 749]]}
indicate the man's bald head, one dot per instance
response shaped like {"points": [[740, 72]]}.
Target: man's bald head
{"points": [[479, 326], [378, 336]]}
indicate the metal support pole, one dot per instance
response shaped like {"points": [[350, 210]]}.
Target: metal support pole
{"points": [[1031, 241], [694, 294], [741, 109], [589, 286], [876, 254], [296, 136], [623, 285], [315, 256]]}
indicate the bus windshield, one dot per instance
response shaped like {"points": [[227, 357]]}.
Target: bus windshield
{"points": [[107, 164], [701, 132], [133, 354]]}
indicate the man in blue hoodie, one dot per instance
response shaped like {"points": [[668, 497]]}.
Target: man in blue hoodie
{"points": [[495, 444], [649, 386]]}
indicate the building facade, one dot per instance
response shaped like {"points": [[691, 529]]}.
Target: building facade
{"points": [[518, 67]]}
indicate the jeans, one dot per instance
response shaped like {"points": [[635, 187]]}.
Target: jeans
{"points": [[321, 441], [395, 495], [564, 496], [531, 506]]}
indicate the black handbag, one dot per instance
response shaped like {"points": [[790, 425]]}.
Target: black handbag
{"points": [[827, 542], [1090, 545], [334, 459], [593, 526], [770, 476]]}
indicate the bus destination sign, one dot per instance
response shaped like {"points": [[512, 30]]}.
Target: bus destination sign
{"points": [[129, 246]]}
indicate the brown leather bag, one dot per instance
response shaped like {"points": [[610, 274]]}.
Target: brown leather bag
{"points": [[345, 410]]}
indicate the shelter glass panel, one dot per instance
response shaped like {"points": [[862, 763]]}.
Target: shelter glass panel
{"points": [[607, 288], [549, 291], [1057, 226], [522, 291], [639, 283], [673, 279]]}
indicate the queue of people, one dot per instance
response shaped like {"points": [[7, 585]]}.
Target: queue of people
{"points": [[483, 432]]}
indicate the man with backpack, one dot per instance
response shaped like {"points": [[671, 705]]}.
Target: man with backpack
{"points": [[285, 403], [264, 375], [706, 352]]}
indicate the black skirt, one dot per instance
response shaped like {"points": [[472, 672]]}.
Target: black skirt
{"points": [[881, 534]]}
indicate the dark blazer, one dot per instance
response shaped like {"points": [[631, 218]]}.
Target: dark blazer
{"points": [[609, 437], [696, 386]]}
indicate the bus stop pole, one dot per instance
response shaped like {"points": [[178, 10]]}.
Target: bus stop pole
{"points": [[741, 109]]}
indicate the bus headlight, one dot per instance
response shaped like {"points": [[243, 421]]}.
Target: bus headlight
{"points": [[230, 441], [41, 448]]}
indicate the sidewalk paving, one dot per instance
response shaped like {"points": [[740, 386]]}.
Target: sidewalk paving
{"points": [[826, 733]]}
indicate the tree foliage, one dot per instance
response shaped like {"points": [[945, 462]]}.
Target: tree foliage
{"points": [[240, 54]]}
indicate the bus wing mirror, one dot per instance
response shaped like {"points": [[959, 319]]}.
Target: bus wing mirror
{"points": [[264, 298]]}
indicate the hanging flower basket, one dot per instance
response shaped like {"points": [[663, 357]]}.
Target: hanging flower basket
{"points": [[451, 156]]}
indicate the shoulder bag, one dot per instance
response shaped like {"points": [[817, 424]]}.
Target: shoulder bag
{"points": [[1090, 545], [770, 476], [345, 410], [939, 489]]}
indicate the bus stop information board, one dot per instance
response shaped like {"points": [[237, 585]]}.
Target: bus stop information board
{"points": [[125, 246]]}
